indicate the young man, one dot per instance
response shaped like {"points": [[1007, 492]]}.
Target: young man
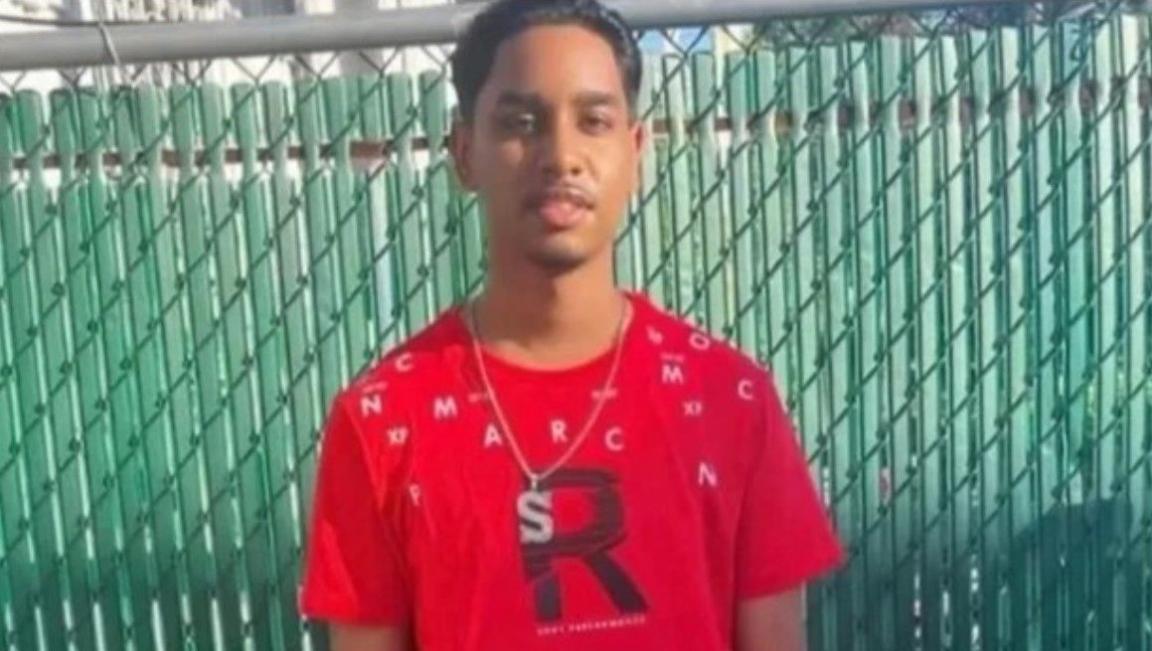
{"points": [[558, 464]]}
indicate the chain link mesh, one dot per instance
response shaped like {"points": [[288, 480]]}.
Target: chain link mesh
{"points": [[933, 226]]}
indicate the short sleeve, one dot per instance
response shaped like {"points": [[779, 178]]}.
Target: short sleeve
{"points": [[785, 537], [353, 570]]}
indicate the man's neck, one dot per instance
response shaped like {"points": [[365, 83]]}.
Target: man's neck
{"points": [[550, 321]]}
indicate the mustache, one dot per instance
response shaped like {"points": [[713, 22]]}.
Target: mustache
{"points": [[575, 193]]}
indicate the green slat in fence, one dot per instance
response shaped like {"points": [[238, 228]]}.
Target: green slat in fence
{"points": [[647, 227], [228, 410], [199, 363], [831, 354], [381, 295], [80, 569], [296, 405], [448, 282], [741, 215], [9, 487], [319, 236], [936, 236], [711, 278], [679, 262], [46, 433], [348, 317], [20, 551], [404, 206]]}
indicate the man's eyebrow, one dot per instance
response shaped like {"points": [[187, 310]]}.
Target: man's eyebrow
{"points": [[593, 98], [583, 99], [517, 99]]}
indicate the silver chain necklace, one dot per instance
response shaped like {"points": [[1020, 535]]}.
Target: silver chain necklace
{"points": [[535, 478]]}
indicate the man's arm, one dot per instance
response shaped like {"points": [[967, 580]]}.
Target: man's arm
{"points": [[344, 637], [772, 623], [785, 538], [354, 578]]}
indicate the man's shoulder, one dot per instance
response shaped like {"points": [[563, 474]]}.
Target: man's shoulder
{"points": [[421, 357], [376, 403], [700, 373], [681, 337]]}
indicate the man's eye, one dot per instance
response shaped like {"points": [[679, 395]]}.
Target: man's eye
{"points": [[597, 123], [519, 123]]}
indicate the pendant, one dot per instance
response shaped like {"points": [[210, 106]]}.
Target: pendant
{"points": [[534, 508]]}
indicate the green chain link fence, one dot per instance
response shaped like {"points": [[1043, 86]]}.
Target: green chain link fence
{"points": [[933, 226]]}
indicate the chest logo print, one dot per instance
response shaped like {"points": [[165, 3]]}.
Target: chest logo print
{"points": [[543, 542]]}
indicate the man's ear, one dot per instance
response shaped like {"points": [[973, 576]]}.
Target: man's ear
{"points": [[460, 143], [639, 137]]}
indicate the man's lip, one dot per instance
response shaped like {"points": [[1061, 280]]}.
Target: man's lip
{"points": [[544, 201], [561, 213], [575, 196]]}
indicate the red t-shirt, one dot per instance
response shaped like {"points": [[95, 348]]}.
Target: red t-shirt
{"points": [[690, 494]]}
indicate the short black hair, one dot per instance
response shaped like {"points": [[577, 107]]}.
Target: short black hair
{"points": [[503, 19]]}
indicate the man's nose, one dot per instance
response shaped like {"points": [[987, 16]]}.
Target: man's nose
{"points": [[561, 156]]}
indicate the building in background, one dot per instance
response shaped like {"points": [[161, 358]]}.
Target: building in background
{"points": [[24, 16], [20, 16]]}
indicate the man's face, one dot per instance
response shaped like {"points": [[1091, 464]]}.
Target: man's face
{"points": [[552, 150]]}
